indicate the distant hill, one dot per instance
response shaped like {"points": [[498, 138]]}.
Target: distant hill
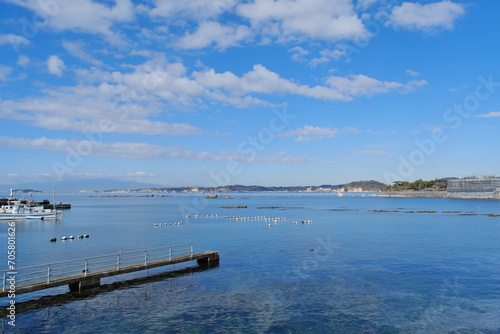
{"points": [[364, 186], [253, 188], [25, 191]]}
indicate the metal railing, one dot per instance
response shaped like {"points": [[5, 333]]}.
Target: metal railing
{"points": [[51, 272]]}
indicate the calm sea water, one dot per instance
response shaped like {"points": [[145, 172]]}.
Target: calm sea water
{"points": [[352, 270]]}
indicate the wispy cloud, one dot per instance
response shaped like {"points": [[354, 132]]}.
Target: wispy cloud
{"points": [[86, 114], [327, 55], [298, 54], [381, 153], [365, 3], [214, 33], [14, 40], [77, 49], [49, 177], [55, 66], [143, 151], [262, 80], [199, 9], [362, 85], [4, 72], [385, 145], [434, 128], [493, 114], [412, 73], [309, 133], [23, 60]]}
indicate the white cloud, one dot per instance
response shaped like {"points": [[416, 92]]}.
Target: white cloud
{"points": [[413, 85], [309, 133], [262, 80], [141, 151], [318, 61], [298, 54], [426, 17], [412, 73], [83, 16], [211, 32], [127, 100], [340, 51], [362, 85], [14, 40], [337, 53], [364, 4], [4, 72], [77, 49], [55, 65], [23, 60], [493, 114], [86, 114], [191, 9], [331, 20], [130, 150]]}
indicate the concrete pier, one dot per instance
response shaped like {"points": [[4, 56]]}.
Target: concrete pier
{"points": [[86, 273]]}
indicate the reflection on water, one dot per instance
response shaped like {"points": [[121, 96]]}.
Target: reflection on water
{"points": [[125, 281], [352, 270]]}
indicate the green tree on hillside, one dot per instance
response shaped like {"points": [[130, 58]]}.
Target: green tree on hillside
{"points": [[417, 185]]}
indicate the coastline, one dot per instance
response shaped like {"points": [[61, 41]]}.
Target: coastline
{"points": [[440, 194]]}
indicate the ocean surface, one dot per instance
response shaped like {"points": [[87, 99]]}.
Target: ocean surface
{"points": [[352, 270]]}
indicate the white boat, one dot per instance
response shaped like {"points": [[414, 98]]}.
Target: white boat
{"points": [[18, 210]]}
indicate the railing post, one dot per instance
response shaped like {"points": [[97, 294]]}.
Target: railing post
{"points": [[170, 253], [48, 273], [191, 250], [118, 262], [4, 278], [145, 257], [86, 267]]}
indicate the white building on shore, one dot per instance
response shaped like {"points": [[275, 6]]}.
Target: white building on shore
{"points": [[486, 185]]}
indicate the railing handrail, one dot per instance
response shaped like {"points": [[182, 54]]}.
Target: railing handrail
{"points": [[53, 271], [97, 257]]}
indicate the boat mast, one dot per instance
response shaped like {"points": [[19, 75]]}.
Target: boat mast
{"points": [[54, 196]]}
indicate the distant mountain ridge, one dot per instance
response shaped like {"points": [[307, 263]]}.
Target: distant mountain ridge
{"points": [[358, 186], [111, 185], [101, 184], [241, 188]]}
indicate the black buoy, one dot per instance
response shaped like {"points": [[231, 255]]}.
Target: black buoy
{"points": [[53, 240]]}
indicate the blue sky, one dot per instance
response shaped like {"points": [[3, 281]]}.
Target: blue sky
{"points": [[267, 92]]}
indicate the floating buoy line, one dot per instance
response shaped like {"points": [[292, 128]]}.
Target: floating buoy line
{"points": [[71, 237], [167, 224]]}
